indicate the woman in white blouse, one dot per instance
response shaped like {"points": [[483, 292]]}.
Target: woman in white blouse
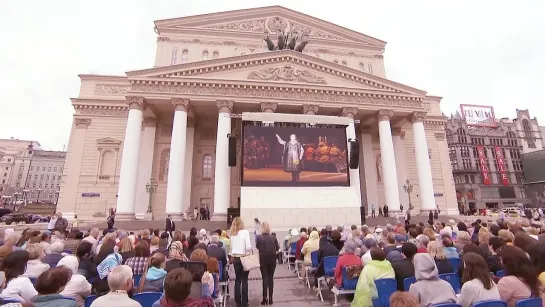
{"points": [[478, 285], [17, 287], [77, 287], [35, 266], [240, 246]]}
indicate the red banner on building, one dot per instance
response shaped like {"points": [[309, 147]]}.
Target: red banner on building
{"points": [[501, 165], [485, 172]]}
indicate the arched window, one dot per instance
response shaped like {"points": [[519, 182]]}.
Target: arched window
{"points": [[511, 138], [107, 163], [185, 55], [362, 66], [344, 63], [207, 167], [205, 55], [462, 138], [174, 56], [335, 61], [528, 133], [450, 138], [215, 55]]}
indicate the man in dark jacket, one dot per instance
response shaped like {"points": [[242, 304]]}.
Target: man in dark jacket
{"points": [[216, 251], [61, 223], [170, 225], [405, 268]]}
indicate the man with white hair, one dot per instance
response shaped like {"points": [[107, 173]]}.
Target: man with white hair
{"points": [[215, 250], [120, 282], [56, 249], [61, 223], [423, 241], [7, 232], [93, 238]]}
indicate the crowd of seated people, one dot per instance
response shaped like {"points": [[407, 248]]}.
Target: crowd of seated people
{"points": [[64, 268], [491, 261]]}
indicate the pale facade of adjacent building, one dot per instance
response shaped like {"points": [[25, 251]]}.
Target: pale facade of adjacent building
{"points": [[15, 160], [169, 122]]}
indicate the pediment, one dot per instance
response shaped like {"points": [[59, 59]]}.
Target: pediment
{"points": [[275, 68], [108, 141], [270, 20]]}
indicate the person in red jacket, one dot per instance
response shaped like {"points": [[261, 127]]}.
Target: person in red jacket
{"points": [[349, 258], [303, 237]]}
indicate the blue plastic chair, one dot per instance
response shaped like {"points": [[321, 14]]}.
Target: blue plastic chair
{"points": [[329, 265], [385, 288], [407, 282], [453, 280], [348, 283], [455, 263], [293, 248], [67, 251], [146, 299], [500, 273], [530, 302], [314, 259], [447, 305], [136, 279], [89, 300], [493, 303], [12, 301]]}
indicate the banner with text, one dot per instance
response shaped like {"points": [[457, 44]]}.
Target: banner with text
{"points": [[480, 116], [500, 159], [485, 172]]}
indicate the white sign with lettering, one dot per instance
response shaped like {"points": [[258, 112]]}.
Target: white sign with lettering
{"points": [[478, 115]]}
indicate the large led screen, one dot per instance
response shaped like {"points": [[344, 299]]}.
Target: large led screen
{"points": [[287, 154]]}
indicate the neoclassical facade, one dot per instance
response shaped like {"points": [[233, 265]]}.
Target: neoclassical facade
{"points": [[169, 123]]}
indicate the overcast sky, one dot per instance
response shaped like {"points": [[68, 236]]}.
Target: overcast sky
{"points": [[473, 52]]}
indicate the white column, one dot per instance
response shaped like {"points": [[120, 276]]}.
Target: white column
{"points": [[176, 165], [423, 168], [399, 148], [389, 170], [147, 147], [188, 169], [370, 170], [129, 164], [222, 176], [351, 135]]}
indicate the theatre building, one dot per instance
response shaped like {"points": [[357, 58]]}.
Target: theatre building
{"points": [[487, 157], [230, 118]]}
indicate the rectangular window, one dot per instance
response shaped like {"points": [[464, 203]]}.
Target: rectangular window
{"points": [[5, 174], [3, 180]]}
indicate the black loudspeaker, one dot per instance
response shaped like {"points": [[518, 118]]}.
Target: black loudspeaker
{"points": [[232, 151], [354, 154]]}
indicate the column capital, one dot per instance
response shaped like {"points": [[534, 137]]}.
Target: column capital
{"points": [[180, 104], [349, 112], [384, 114], [418, 117], [82, 122], [135, 102], [149, 122], [310, 109], [225, 106], [268, 107]]}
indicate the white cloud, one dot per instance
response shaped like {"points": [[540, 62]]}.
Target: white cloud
{"points": [[477, 52]]}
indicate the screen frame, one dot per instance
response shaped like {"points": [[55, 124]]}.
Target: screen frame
{"points": [[268, 184]]}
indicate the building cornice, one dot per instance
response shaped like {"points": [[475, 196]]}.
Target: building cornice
{"points": [[100, 108], [283, 56]]}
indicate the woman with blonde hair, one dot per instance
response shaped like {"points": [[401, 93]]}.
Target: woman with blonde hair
{"points": [[35, 266], [126, 249], [429, 233], [176, 255], [437, 252], [241, 245], [154, 276], [507, 236], [267, 246], [154, 244]]}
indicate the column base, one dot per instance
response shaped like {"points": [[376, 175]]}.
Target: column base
{"points": [[148, 216], [219, 217], [124, 216]]}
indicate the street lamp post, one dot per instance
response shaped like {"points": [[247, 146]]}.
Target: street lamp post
{"points": [[408, 187], [151, 187], [57, 197]]}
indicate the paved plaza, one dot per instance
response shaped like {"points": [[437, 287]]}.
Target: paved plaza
{"points": [[288, 290]]}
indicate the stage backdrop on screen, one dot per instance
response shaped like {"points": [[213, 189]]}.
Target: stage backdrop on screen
{"points": [[288, 154]]}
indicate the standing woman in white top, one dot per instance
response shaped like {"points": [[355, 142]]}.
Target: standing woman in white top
{"points": [[257, 227], [240, 246]]}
